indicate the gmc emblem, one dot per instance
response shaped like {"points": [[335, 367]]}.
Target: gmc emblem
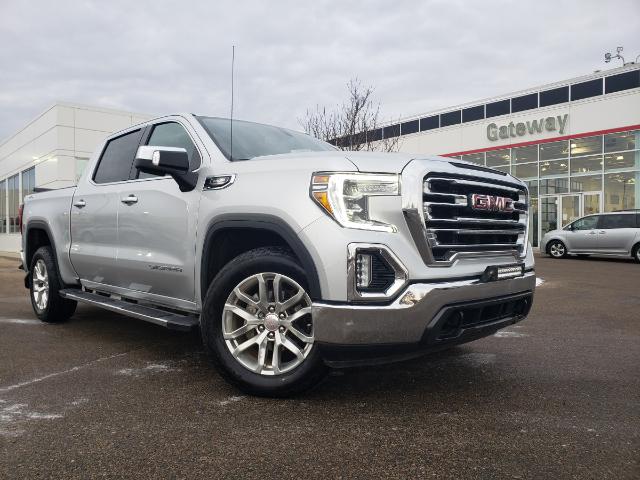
{"points": [[491, 203]]}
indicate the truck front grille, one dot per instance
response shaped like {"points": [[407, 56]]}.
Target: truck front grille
{"points": [[464, 213]]}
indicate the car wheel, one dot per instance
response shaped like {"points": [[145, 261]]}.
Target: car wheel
{"points": [[636, 252], [557, 249], [44, 285], [257, 324]]}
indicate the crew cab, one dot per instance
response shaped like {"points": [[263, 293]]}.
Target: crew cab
{"points": [[289, 256]]}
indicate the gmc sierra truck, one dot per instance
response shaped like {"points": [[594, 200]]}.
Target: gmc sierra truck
{"points": [[290, 256]]}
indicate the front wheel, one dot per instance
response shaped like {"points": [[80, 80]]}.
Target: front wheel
{"points": [[636, 252], [557, 249], [257, 324]]}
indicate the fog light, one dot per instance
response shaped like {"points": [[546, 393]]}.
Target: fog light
{"points": [[363, 270]]}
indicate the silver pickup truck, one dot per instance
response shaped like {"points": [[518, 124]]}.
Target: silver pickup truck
{"points": [[289, 256]]}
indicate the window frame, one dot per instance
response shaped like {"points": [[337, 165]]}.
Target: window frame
{"points": [[601, 226], [597, 216]]}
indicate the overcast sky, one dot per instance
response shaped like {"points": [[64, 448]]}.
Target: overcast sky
{"points": [[162, 57]]}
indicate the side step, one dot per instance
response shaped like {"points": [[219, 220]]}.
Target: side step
{"points": [[172, 321]]}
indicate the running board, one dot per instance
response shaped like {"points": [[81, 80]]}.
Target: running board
{"points": [[172, 321]]}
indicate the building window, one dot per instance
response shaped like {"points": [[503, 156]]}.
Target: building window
{"points": [[3, 206], [429, 123], [473, 113], [622, 81], [495, 109], [620, 191], [525, 102], [474, 157], [554, 150], [525, 154], [554, 96], [592, 163], [496, 158], [552, 186], [556, 167], [28, 182], [613, 161], [525, 170], [586, 145], [617, 142], [374, 135], [391, 131], [13, 189], [590, 88], [450, 118], [407, 128], [587, 183]]}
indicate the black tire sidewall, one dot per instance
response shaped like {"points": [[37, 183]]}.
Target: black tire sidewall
{"points": [[256, 261]]}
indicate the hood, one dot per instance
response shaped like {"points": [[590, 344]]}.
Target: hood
{"points": [[378, 162]]}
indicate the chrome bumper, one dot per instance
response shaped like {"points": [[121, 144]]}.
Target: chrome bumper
{"points": [[407, 319]]}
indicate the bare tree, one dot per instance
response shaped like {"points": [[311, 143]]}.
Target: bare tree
{"points": [[354, 125]]}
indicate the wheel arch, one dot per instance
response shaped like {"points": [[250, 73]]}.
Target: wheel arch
{"points": [[271, 230], [37, 234]]}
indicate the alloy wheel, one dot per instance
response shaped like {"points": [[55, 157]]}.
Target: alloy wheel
{"points": [[266, 324], [557, 249], [40, 285]]}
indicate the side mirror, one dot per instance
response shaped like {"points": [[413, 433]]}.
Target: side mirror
{"points": [[167, 161]]}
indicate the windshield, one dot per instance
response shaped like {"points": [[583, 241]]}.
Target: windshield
{"points": [[255, 139]]}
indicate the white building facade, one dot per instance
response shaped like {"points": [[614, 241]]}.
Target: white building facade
{"points": [[576, 143], [51, 152]]}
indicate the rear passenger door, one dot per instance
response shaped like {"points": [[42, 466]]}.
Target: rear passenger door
{"points": [[94, 211], [617, 232], [157, 226]]}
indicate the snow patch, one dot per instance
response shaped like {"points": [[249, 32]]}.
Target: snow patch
{"points": [[509, 334], [15, 414], [233, 399], [539, 281], [21, 321], [150, 368]]}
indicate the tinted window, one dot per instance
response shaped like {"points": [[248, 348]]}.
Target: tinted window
{"points": [[450, 118], [429, 123], [374, 135], [616, 142], [174, 135], [618, 221], [553, 150], [586, 145], [586, 89], [117, 158], [554, 96], [391, 131], [410, 127], [473, 113], [623, 81], [525, 102], [586, 223], [498, 108], [498, 157]]}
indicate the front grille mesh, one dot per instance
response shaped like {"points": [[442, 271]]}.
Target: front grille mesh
{"points": [[453, 225]]}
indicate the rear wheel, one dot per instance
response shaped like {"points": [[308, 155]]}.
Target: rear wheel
{"points": [[636, 252], [45, 283], [257, 324], [557, 249]]}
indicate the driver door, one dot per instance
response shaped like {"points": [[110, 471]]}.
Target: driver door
{"points": [[582, 235]]}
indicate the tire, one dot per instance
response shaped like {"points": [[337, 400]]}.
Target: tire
{"points": [[557, 249], [636, 252], [235, 308], [44, 285]]}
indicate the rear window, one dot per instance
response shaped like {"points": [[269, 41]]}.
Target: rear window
{"points": [[117, 158], [623, 220]]}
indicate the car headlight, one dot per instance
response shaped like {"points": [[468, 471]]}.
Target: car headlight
{"points": [[345, 196]]}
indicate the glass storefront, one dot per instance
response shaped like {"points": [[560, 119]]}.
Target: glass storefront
{"points": [[568, 179]]}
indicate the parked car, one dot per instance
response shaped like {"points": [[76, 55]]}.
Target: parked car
{"points": [[289, 255], [615, 233]]}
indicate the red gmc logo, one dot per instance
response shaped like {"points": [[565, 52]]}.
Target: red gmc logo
{"points": [[491, 203]]}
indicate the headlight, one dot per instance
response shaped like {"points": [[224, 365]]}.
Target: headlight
{"points": [[345, 196]]}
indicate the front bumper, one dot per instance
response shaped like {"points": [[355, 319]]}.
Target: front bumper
{"points": [[424, 317]]}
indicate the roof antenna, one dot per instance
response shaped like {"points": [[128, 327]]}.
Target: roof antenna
{"points": [[233, 59]]}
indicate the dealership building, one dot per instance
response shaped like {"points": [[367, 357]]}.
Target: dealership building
{"points": [[575, 142], [51, 151]]}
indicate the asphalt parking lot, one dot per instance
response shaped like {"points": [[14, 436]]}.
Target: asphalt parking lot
{"points": [[557, 396]]}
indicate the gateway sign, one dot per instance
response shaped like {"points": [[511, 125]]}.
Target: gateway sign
{"points": [[530, 127]]}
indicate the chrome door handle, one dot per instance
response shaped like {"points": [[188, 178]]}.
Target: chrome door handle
{"points": [[130, 199], [80, 204], [602, 231], [591, 233]]}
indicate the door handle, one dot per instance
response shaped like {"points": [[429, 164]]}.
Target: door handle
{"points": [[80, 204], [591, 233], [602, 231], [130, 199]]}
